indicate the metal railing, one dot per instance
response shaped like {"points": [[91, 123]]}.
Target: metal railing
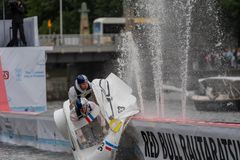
{"points": [[78, 40]]}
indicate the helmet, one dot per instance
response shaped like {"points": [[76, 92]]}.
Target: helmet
{"points": [[81, 79], [81, 102]]}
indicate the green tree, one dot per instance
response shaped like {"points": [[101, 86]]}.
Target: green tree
{"points": [[49, 9], [232, 11], [7, 9], [46, 9], [1, 10], [109, 8]]}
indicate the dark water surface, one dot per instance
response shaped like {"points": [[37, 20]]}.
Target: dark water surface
{"points": [[13, 152]]}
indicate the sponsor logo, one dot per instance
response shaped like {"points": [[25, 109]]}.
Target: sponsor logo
{"points": [[18, 74], [34, 74], [5, 75], [120, 109], [115, 125]]}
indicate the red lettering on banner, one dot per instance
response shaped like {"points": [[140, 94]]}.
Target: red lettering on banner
{"points": [[5, 75]]}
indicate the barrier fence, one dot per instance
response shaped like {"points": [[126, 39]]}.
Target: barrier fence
{"points": [[78, 40]]}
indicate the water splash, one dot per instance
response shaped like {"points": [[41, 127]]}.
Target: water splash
{"points": [[155, 40], [185, 62], [213, 10], [129, 64], [158, 83], [167, 49]]}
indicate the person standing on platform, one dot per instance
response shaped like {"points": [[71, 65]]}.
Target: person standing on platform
{"points": [[17, 9]]}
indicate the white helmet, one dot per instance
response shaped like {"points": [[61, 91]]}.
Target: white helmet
{"points": [[82, 102]]}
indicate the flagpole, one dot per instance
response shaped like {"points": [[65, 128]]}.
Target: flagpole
{"points": [[4, 17], [61, 22]]}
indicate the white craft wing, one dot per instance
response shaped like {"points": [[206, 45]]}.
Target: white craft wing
{"points": [[118, 85], [122, 103]]}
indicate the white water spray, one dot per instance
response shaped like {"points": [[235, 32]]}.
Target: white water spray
{"points": [[189, 7], [164, 48], [129, 63], [155, 40]]}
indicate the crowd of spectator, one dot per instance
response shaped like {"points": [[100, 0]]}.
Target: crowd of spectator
{"points": [[227, 59]]}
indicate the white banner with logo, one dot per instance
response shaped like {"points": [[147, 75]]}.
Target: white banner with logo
{"points": [[27, 130], [25, 77], [172, 141]]}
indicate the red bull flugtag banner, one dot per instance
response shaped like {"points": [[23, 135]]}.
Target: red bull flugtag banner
{"points": [[23, 79]]}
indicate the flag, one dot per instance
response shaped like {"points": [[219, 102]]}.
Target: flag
{"points": [[89, 118], [110, 146]]}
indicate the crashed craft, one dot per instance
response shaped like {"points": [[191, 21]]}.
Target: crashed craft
{"points": [[116, 104]]}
